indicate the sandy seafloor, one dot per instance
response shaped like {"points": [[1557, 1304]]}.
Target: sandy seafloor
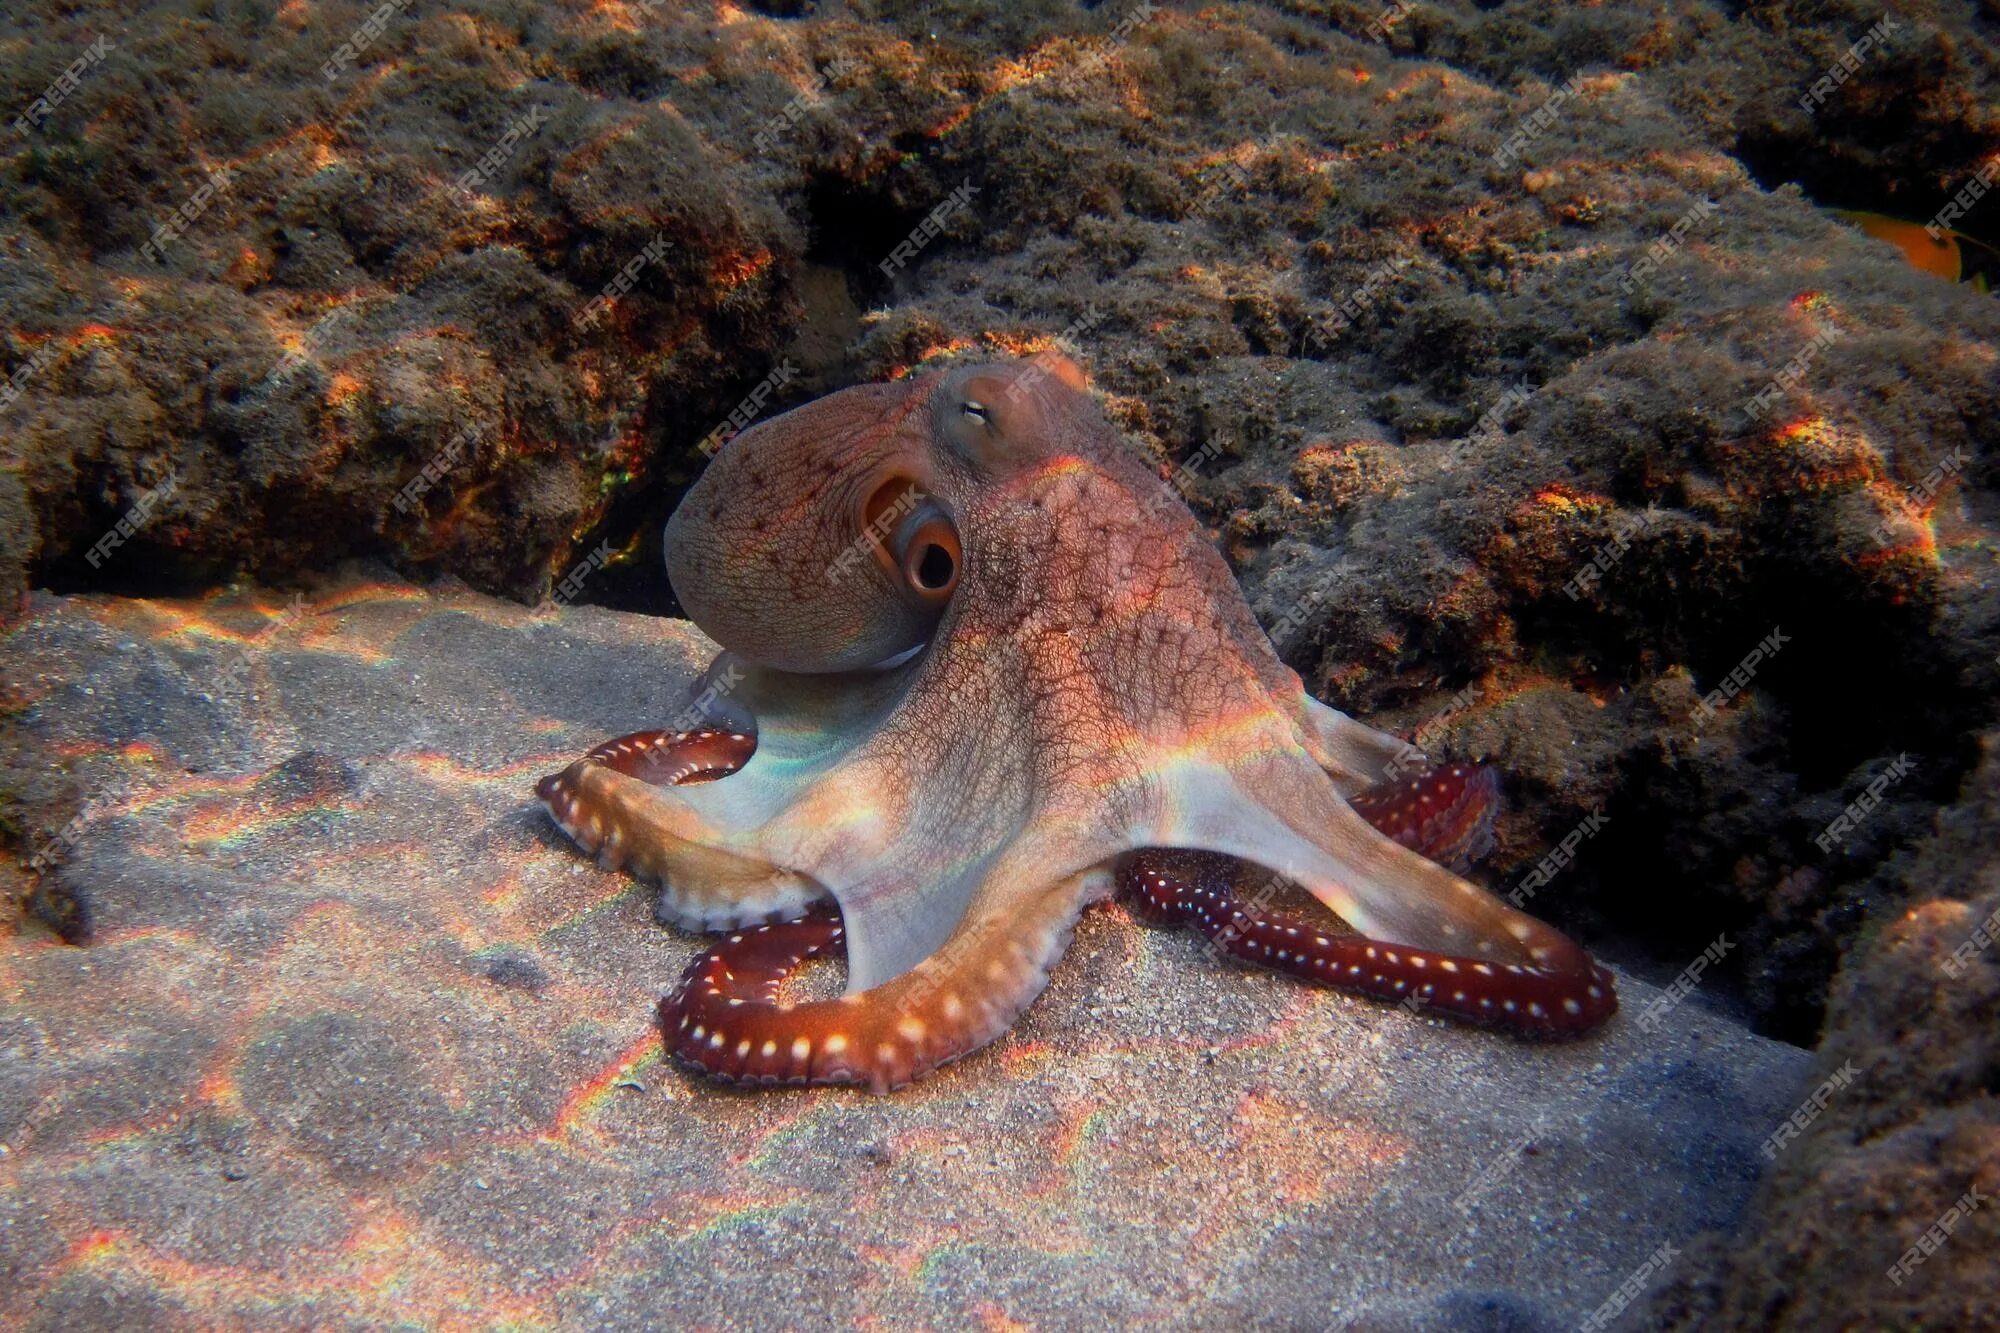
{"points": [[358, 1037], [371, 323]]}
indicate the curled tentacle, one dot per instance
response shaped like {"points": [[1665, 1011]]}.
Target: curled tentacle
{"points": [[726, 1020], [711, 1018], [1443, 813], [657, 758], [1198, 888], [607, 803], [675, 758], [578, 802]]}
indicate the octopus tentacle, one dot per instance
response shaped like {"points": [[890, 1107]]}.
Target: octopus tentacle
{"points": [[1443, 813], [725, 1018], [607, 803], [673, 758], [1353, 754], [1547, 1002], [709, 1018]]}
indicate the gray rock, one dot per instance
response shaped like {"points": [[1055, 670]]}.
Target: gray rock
{"points": [[355, 1028]]}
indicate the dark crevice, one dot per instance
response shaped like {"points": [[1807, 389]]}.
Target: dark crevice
{"points": [[851, 229]]}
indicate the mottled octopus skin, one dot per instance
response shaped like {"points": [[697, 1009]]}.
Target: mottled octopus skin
{"points": [[982, 668]]}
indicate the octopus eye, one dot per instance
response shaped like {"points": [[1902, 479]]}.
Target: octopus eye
{"points": [[974, 418], [913, 537], [931, 559]]}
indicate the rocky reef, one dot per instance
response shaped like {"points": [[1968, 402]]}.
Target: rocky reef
{"points": [[1511, 351]]}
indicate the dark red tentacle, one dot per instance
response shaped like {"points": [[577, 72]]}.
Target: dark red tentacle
{"points": [[658, 758], [675, 758], [727, 1019], [724, 1017], [1198, 888], [1444, 813]]}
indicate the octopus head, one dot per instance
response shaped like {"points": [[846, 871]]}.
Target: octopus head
{"points": [[830, 539]]}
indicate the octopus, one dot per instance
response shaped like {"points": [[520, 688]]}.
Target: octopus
{"points": [[982, 668]]}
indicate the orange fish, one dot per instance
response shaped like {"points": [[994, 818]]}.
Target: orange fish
{"points": [[1937, 255]]}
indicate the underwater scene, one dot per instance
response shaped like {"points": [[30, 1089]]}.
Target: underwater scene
{"points": [[1307, 665]]}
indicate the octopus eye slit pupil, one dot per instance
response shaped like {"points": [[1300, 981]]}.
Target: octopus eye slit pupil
{"points": [[976, 410]]}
